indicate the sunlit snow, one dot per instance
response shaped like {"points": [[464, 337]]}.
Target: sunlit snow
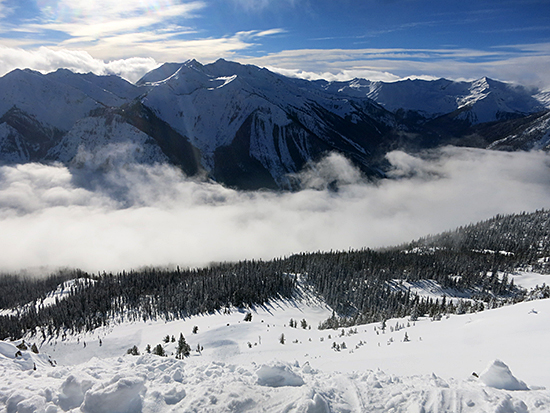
{"points": [[461, 363]]}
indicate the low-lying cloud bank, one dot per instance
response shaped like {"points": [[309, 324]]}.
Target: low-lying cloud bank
{"points": [[141, 215]]}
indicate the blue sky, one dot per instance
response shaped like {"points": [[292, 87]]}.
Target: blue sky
{"points": [[377, 39]]}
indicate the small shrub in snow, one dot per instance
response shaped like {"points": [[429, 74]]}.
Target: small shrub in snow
{"points": [[159, 350], [133, 351]]}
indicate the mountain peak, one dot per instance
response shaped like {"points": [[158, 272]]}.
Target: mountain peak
{"points": [[193, 63], [160, 74]]}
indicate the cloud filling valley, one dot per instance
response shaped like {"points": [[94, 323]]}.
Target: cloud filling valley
{"points": [[133, 215]]}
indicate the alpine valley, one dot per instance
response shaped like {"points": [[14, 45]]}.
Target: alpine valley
{"points": [[249, 128], [127, 286]]}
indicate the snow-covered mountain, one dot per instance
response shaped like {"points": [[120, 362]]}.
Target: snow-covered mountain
{"points": [[243, 125], [482, 100], [532, 132]]}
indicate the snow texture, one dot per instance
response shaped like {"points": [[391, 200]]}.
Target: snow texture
{"points": [[243, 367], [278, 376]]}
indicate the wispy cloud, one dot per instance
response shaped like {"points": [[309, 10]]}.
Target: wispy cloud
{"points": [[112, 20], [521, 64], [111, 30], [2, 9], [259, 5]]}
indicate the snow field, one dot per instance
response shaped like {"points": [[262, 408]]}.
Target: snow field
{"points": [[377, 371]]}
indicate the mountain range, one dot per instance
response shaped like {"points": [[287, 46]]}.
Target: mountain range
{"points": [[249, 128]]}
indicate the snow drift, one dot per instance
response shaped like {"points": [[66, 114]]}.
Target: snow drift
{"points": [[499, 376]]}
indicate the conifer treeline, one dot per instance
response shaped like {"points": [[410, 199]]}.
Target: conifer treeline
{"points": [[16, 290], [357, 284], [526, 235], [150, 294]]}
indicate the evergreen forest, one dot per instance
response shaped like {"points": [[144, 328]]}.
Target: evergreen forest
{"points": [[362, 286]]}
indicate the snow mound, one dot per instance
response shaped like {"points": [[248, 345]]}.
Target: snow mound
{"points": [[499, 376], [121, 396], [72, 392], [317, 404], [24, 360], [174, 395], [511, 406], [278, 375], [8, 350]]}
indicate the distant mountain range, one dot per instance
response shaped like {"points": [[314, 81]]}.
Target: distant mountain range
{"points": [[249, 128]]}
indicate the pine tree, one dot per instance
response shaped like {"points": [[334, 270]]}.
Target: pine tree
{"points": [[159, 351], [184, 349]]}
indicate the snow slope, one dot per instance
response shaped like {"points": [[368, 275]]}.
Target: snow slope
{"points": [[49, 101], [377, 371], [106, 140]]}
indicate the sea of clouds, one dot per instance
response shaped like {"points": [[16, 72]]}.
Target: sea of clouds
{"points": [[131, 215]]}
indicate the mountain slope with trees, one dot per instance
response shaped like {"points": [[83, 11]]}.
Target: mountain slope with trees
{"points": [[473, 261]]}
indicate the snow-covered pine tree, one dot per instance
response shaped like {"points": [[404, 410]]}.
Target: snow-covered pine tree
{"points": [[184, 349]]}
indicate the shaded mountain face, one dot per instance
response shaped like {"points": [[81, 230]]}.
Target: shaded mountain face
{"points": [[250, 128]]}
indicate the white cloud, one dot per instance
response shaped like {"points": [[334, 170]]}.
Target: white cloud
{"points": [[110, 30], [136, 216], [79, 12], [342, 75], [99, 22], [47, 60]]}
